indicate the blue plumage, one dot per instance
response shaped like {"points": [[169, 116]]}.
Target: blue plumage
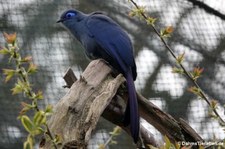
{"points": [[104, 38]]}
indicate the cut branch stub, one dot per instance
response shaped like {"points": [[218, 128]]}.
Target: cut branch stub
{"points": [[69, 78]]}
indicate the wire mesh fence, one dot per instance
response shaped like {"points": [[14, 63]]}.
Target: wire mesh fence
{"points": [[198, 31]]}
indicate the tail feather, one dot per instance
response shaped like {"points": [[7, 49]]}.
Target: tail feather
{"points": [[131, 113]]}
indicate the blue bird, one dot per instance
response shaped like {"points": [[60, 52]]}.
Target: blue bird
{"points": [[103, 38]]}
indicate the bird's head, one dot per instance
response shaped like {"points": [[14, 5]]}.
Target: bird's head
{"points": [[72, 20], [71, 16]]}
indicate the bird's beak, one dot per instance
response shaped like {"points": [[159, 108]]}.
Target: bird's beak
{"points": [[60, 20]]}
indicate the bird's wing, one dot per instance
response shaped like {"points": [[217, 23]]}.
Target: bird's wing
{"points": [[111, 37]]}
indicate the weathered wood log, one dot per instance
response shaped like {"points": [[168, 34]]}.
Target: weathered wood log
{"points": [[77, 113]]}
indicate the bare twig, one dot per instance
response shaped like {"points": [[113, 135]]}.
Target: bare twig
{"points": [[202, 94]]}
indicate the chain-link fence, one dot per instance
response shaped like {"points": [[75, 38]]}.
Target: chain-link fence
{"points": [[199, 31]]}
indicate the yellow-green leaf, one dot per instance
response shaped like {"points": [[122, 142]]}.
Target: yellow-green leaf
{"points": [[37, 131], [116, 131], [101, 146], [23, 111], [167, 141], [201, 147], [27, 123], [17, 89], [151, 21], [28, 144], [137, 12], [39, 118], [113, 142], [195, 90], [58, 139], [4, 51], [213, 104], [25, 108], [26, 59], [32, 68], [9, 73], [177, 145], [24, 104], [177, 70], [197, 73], [39, 95], [180, 58], [49, 109]]}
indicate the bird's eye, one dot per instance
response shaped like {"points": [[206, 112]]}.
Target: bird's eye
{"points": [[70, 14]]}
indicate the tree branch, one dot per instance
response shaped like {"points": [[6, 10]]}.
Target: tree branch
{"points": [[207, 8], [77, 113]]}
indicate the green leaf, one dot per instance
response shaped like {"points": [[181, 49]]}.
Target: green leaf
{"points": [[116, 131], [196, 73], [24, 104], [177, 145], [39, 118], [28, 144], [26, 59], [177, 70], [32, 68], [113, 142], [19, 87], [4, 51], [58, 139], [9, 73], [49, 109], [25, 108], [202, 147], [167, 141], [101, 146], [213, 104], [39, 95], [30, 126], [196, 91], [27, 123], [180, 58], [37, 131], [137, 12], [151, 21]]}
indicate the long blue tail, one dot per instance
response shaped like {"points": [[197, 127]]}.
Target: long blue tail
{"points": [[131, 113]]}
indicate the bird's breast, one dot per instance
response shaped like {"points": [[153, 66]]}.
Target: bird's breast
{"points": [[90, 47]]}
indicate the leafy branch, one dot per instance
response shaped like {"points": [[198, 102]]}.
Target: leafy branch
{"points": [[192, 76], [24, 68], [116, 131]]}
